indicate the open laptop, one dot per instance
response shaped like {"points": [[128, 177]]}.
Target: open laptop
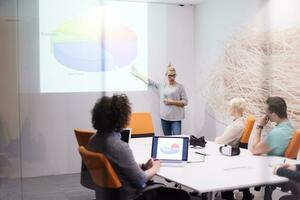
{"points": [[171, 150], [126, 134]]}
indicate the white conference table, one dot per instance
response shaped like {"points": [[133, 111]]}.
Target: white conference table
{"points": [[217, 172]]}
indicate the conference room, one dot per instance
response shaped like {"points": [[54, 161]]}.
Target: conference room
{"points": [[180, 75]]}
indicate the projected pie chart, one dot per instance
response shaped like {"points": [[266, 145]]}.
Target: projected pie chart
{"points": [[173, 149], [87, 47]]}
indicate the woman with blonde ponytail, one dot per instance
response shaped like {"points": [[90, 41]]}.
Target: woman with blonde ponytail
{"points": [[173, 99]]}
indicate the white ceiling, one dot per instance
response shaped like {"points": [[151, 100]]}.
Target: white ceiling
{"points": [[185, 2]]}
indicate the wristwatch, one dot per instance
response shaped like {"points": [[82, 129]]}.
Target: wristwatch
{"points": [[259, 126]]}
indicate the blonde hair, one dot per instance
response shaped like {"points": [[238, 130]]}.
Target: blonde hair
{"points": [[170, 70], [239, 104]]}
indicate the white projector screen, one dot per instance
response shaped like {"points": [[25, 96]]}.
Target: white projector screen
{"points": [[89, 46]]}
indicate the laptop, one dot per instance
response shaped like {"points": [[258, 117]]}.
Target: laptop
{"points": [[171, 150], [126, 134]]}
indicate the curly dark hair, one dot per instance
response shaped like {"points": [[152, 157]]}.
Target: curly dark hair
{"points": [[111, 113]]}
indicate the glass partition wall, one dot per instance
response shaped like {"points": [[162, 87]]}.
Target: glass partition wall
{"points": [[10, 143], [57, 57]]}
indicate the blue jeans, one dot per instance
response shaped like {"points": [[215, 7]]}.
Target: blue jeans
{"points": [[171, 127]]}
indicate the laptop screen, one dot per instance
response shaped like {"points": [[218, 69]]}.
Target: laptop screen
{"points": [[170, 148]]}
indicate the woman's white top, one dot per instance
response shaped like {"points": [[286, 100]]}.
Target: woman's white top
{"points": [[232, 133]]}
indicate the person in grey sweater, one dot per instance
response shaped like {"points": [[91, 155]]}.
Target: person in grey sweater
{"points": [[173, 99], [109, 116], [291, 172]]}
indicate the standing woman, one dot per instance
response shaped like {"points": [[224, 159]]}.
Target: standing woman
{"points": [[173, 98]]}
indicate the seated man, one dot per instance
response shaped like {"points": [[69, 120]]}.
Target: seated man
{"points": [[293, 173], [277, 140]]}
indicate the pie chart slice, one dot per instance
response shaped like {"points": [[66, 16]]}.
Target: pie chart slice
{"points": [[173, 149], [94, 51]]}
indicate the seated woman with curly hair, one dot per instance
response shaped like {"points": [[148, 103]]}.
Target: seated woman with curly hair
{"points": [[109, 116]]}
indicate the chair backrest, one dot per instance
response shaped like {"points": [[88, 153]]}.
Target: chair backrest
{"points": [[294, 146], [83, 136], [249, 123], [100, 169], [141, 124]]}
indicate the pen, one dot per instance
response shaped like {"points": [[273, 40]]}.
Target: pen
{"points": [[203, 154]]}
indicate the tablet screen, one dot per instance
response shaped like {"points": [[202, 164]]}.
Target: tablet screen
{"points": [[170, 148]]}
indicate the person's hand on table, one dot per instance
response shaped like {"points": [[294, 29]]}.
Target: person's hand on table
{"points": [[285, 165], [148, 164], [156, 165]]}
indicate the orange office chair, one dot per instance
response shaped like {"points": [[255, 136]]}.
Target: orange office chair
{"points": [[141, 124], [293, 147], [83, 136], [249, 123], [106, 182]]}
